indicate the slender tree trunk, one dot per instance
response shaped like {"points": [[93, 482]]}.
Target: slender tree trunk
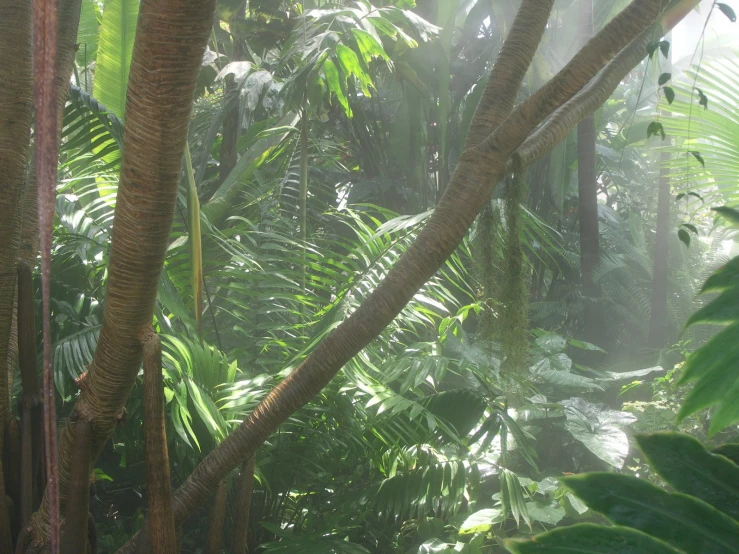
{"points": [[15, 131], [658, 314], [588, 201], [170, 41], [217, 518], [159, 492], [239, 534]]}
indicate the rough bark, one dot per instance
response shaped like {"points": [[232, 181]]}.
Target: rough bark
{"points": [[16, 108], [15, 127], [158, 487], [74, 537], [563, 120], [239, 533], [587, 187], [508, 73], [478, 171], [217, 518], [169, 46]]}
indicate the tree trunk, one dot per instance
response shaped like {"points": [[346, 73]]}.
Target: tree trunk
{"points": [[239, 534], [170, 42], [588, 201], [658, 314], [217, 517], [15, 131]]}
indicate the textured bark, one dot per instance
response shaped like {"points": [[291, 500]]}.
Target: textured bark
{"points": [[239, 533], [12, 467], [15, 114], [217, 517], [510, 68], [15, 128], [158, 487], [74, 537], [170, 42], [478, 171], [587, 187]]}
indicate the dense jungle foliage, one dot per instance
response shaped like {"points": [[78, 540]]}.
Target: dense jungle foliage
{"points": [[572, 368]]}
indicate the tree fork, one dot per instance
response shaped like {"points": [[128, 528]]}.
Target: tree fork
{"points": [[478, 171], [158, 491], [75, 532]]}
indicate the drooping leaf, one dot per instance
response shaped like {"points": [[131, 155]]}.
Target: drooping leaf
{"points": [[684, 237], [656, 128], [690, 226], [727, 11], [481, 521], [117, 32], [702, 99], [196, 249], [669, 94], [698, 157], [678, 519], [664, 78], [731, 214]]}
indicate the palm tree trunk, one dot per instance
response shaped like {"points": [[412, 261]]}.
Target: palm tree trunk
{"points": [[170, 41], [239, 534], [15, 131], [588, 200]]}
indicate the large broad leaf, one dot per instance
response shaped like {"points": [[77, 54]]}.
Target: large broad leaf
{"points": [[590, 539], [599, 429], [117, 33], [87, 36], [688, 467], [481, 521], [681, 520]]}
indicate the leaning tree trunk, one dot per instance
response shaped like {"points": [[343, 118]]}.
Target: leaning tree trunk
{"points": [[16, 109], [170, 41], [478, 170], [587, 187]]}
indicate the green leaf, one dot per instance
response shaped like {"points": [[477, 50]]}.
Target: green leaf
{"points": [[721, 310], [664, 78], [512, 496], [698, 157], [652, 48], [369, 46], [196, 249], [680, 196], [117, 33], [723, 278], [599, 429], [684, 237], [678, 519], [729, 451], [333, 81], [481, 521], [655, 128], [695, 194], [588, 538], [727, 11], [669, 94], [691, 227], [350, 65], [549, 512], [730, 214], [87, 36], [702, 99], [688, 467]]}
